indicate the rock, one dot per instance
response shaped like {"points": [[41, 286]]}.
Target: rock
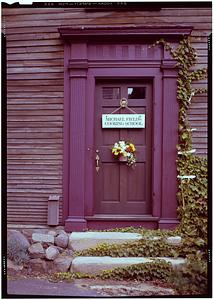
{"points": [[46, 245], [43, 238], [17, 245], [51, 253], [51, 232], [38, 265], [50, 266], [173, 240], [61, 240], [11, 266], [154, 238], [62, 263], [62, 232], [69, 252], [95, 265], [27, 232], [60, 249], [17, 238], [83, 240], [36, 251]]}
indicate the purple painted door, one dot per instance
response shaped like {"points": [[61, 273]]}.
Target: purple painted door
{"points": [[120, 189]]}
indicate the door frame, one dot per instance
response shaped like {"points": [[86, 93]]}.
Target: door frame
{"points": [[80, 75]]}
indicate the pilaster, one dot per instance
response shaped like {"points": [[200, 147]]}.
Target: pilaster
{"points": [[77, 73], [170, 140]]}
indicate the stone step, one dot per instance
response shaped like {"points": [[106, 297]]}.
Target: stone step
{"points": [[95, 265], [83, 240]]}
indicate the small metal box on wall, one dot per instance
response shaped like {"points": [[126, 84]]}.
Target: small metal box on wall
{"points": [[53, 210]]}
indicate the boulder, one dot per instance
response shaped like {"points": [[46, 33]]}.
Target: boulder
{"points": [[18, 239], [51, 232], [43, 238], [17, 245], [36, 251], [69, 252], [38, 265], [62, 263], [173, 240], [51, 253], [11, 266], [46, 245], [61, 240], [50, 266], [154, 238], [61, 250], [28, 233], [62, 232]]}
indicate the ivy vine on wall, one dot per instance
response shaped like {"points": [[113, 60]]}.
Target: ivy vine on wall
{"points": [[186, 57], [192, 170]]}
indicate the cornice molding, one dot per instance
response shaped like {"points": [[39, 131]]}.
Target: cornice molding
{"points": [[106, 32]]}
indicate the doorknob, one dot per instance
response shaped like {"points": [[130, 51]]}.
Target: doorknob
{"points": [[97, 160]]}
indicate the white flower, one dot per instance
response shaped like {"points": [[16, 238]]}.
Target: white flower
{"points": [[122, 144]]}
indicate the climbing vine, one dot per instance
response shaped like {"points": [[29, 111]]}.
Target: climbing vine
{"points": [[149, 248], [186, 57], [147, 271], [192, 197], [192, 170]]}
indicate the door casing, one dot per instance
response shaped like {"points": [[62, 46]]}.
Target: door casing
{"points": [[82, 69]]}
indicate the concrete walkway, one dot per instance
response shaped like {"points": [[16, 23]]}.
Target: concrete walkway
{"points": [[41, 287], [91, 288]]}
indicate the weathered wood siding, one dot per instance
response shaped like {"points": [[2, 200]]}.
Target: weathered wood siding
{"points": [[35, 96]]}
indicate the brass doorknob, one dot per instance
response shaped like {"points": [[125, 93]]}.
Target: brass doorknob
{"points": [[97, 160]]}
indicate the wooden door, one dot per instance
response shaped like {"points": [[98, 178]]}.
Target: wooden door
{"points": [[119, 189]]}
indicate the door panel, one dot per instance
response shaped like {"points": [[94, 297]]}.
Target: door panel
{"points": [[120, 189], [111, 177]]}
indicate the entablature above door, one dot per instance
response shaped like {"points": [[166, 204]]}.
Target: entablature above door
{"points": [[104, 33], [130, 45]]}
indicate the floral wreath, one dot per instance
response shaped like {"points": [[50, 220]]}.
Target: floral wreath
{"points": [[126, 151]]}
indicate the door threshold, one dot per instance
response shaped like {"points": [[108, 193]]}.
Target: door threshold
{"points": [[122, 217]]}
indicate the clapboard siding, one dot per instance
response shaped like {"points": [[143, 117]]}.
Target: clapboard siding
{"points": [[35, 96]]}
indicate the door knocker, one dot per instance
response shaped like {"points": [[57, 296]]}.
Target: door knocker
{"points": [[123, 103]]}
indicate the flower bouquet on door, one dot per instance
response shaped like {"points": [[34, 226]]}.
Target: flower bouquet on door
{"points": [[124, 151]]}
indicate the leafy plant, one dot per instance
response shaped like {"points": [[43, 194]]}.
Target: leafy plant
{"points": [[192, 197], [149, 248], [69, 277], [158, 269], [191, 279], [186, 56]]}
